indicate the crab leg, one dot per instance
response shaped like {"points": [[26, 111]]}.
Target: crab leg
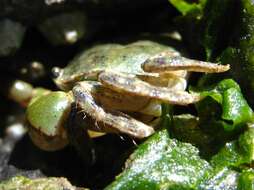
{"points": [[106, 120], [126, 83], [123, 102], [167, 62]]}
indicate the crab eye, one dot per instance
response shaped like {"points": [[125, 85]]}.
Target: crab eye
{"points": [[56, 72]]}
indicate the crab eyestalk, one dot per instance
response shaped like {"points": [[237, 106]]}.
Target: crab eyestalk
{"points": [[46, 117]]}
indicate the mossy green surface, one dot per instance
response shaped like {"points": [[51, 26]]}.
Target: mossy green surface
{"points": [[162, 163], [23, 183]]}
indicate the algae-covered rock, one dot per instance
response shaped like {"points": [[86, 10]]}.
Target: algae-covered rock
{"points": [[221, 179], [236, 153], [51, 183], [246, 180], [162, 163]]}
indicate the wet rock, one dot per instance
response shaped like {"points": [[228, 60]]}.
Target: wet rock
{"points": [[53, 183], [11, 36]]}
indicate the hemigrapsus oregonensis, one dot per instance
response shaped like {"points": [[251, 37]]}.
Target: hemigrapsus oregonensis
{"points": [[110, 82]]}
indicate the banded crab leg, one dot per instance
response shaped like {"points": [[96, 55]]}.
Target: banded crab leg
{"points": [[107, 120], [127, 83], [162, 63], [123, 102], [168, 61]]}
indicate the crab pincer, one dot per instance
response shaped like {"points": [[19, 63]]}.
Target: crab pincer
{"points": [[166, 61]]}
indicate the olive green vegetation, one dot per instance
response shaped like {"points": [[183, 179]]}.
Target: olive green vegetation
{"points": [[227, 36], [246, 180], [186, 7], [238, 153], [223, 129], [23, 183], [226, 178], [224, 29], [167, 160], [162, 163], [233, 112], [240, 53], [188, 128], [223, 178], [165, 163], [208, 25]]}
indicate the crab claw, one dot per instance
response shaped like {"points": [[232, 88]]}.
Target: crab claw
{"points": [[126, 83], [46, 117], [167, 62]]}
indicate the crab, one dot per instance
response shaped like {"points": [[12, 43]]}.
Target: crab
{"points": [[117, 89]]}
